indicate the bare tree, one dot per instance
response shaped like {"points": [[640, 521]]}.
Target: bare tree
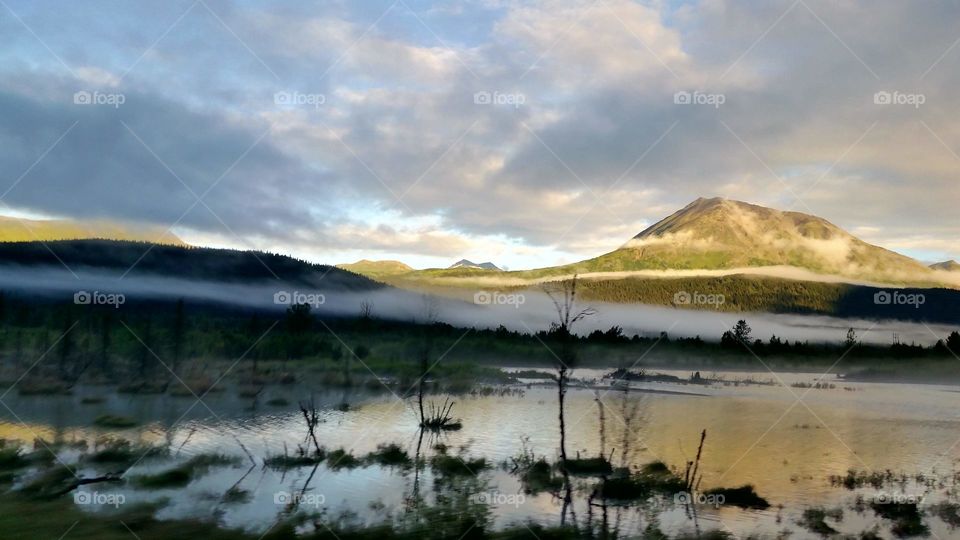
{"points": [[430, 315], [366, 310], [563, 294]]}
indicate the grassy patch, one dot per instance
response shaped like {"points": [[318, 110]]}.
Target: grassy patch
{"points": [[390, 455], [109, 450], [342, 459], [906, 518], [115, 421], [301, 459], [12, 458], [588, 466], [183, 474], [457, 465], [652, 478], [538, 476], [948, 512], [857, 479], [815, 520], [743, 497]]}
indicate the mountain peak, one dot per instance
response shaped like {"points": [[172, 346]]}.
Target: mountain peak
{"points": [[368, 267], [466, 263], [950, 266], [718, 233]]}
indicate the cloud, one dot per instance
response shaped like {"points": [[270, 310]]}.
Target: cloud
{"points": [[597, 150]]}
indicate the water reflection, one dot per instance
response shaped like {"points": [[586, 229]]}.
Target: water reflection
{"points": [[759, 435]]}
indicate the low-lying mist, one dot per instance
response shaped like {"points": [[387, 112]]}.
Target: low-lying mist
{"points": [[528, 311]]}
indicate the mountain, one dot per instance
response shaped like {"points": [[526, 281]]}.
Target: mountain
{"points": [[464, 263], [367, 267], [949, 266], [27, 230], [720, 234]]}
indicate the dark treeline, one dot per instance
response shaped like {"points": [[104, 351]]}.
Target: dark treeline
{"points": [[184, 262], [768, 294], [149, 341]]}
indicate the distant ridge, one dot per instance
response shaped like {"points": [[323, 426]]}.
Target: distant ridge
{"points": [[143, 259], [367, 267], [949, 266], [464, 263], [29, 230]]}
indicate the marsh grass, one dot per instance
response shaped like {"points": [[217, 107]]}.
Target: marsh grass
{"points": [[594, 466], [743, 497], [389, 455], [906, 517], [815, 520], [184, 473], [652, 478], [121, 451], [448, 465], [538, 477], [342, 459], [115, 421]]}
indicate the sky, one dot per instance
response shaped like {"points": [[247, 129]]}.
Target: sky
{"points": [[527, 133]]}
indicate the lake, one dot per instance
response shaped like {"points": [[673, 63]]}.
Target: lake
{"points": [[784, 439]]}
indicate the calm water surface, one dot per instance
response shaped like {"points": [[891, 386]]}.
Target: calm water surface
{"points": [[784, 440]]}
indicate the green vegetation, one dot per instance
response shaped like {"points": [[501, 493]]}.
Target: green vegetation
{"points": [[390, 455], [587, 466], [113, 421], [653, 478], [743, 497], [906, 517], [184, 473], [814, 520]]}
